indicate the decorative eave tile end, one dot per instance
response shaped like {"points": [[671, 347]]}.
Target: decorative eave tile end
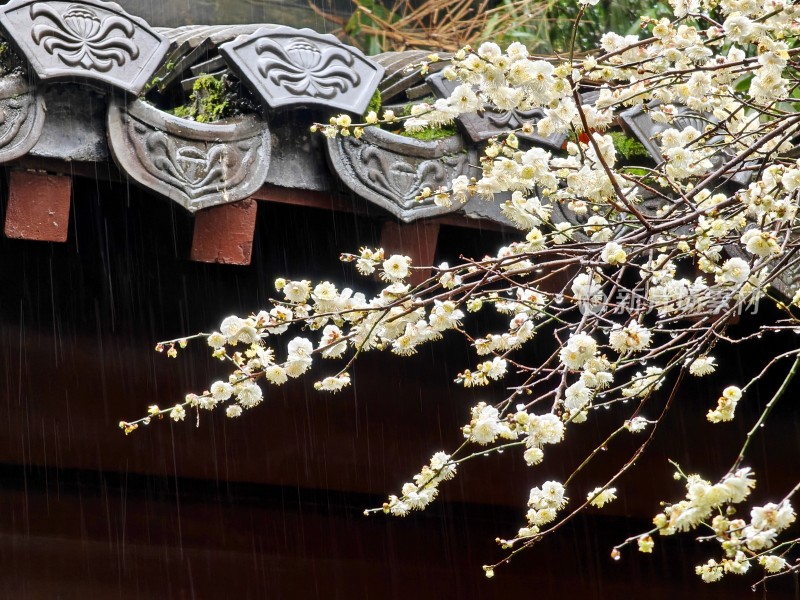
{"points": [[287, 67], [195, 164], [84, 40], [390, 170], [23, 117]]}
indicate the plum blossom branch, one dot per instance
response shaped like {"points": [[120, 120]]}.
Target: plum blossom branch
{"points": [[623, 276]]}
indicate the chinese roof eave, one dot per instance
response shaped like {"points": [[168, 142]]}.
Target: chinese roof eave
{"points": [[88, 61]]}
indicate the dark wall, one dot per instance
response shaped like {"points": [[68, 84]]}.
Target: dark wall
{"points": [[269, 505]]}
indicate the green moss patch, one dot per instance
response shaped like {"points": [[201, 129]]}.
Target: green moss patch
{"points": [[431, 133], [210, 101], [628, 147], [375, 103]]}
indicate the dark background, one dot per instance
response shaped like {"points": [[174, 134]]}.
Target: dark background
{"points": [[270, 505]]}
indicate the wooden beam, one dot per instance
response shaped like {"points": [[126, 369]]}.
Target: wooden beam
{"points": [[96, 171], [309, 198], [224, 234], [332, 201], [38, 206], [416, 240]]}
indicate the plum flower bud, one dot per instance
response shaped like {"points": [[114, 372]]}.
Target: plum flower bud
{"points": [[645, 544]]}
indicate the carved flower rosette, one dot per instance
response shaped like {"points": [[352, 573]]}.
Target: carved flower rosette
{"points": [[87, 40], [195, 164], [22, 114], [390, 170]]}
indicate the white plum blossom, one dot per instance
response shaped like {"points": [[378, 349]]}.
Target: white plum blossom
{"points": [[599, 497], [233, 411], [632, 337], [726, 405], [733, 271], [177, 413], [577, 397], [248, 394], [636, 425], [613, 254], [298, 359], [333, 383], [221, 391], [216, 340], [579, 348], [544, 429], [760, 243], [642, 384], [396, 267], [297, 291], [276, 374], [702, 365], [486, 425]]}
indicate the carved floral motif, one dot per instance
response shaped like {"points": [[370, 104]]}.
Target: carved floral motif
{"points": [[194, 170], [84, 40], [304, 69], [401, 178], [81, 37], [287, 66]]}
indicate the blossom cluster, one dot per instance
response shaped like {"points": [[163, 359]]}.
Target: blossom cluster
{"points": [[743, 542], [423, 490]]}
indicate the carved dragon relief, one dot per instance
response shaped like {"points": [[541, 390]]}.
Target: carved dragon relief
{"points": [[401, 178], [84, 39], [389, 170], [197, 165], [14, 112]]}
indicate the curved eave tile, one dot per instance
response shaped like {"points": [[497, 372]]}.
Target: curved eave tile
{"points": [[640, 124], [286, 66], [403, 75], [195, 164], [84, 40], [493, 121], [390, 170]]}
